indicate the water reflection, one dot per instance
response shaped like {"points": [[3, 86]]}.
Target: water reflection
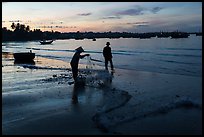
{"points": [[101, 81], [29, 62], [79, 86]]}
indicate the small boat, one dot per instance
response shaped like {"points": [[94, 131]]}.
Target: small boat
{"points": [[24, 56], [46, 42], [198, 34], [94, 39], [179, 35], [79, 38], [163, 35]]}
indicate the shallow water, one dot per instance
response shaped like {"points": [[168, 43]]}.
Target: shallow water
{"points": [[163, 55]]}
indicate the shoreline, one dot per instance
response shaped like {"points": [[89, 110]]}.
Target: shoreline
{"points": [[112, 35], [132, 100]]}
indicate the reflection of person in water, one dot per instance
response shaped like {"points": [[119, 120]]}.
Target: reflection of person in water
{"points": [[74, 95], [79, 86]]}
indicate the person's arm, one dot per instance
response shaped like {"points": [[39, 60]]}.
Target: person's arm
{"points": [[82, 56]]}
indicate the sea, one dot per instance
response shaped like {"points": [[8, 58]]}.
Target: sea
{"points": [[163, 55]]}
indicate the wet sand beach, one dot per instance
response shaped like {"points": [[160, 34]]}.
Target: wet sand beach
{"points": [[41, 99]]}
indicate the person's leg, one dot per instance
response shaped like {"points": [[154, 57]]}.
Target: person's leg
{"points": [[75, 73], [106, 64], [111, 62]]}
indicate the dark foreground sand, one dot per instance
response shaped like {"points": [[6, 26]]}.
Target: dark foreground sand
{"points": [[43, 101]]}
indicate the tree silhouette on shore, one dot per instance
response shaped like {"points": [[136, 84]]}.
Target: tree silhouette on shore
{"points": [[20, 32]]}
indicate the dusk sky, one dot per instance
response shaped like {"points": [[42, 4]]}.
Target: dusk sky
{"points": [[105, 16]]}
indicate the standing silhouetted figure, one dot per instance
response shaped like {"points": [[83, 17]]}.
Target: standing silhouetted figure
{"points": [[75, 61], [108, 55]]}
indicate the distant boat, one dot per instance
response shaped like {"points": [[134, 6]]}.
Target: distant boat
{"points": [[43, 42], [24, 56], [163, 35], [145, 36], [179, 35], [94, 39], [198, 34], [79, 38]]}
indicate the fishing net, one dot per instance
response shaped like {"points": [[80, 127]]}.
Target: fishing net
{"points": [[96, 76]]}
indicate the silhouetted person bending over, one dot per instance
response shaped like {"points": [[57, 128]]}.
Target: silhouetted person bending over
{"points": [[75, 61], [108, 55]]}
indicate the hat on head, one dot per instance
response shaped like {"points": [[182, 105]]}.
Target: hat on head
{"points": [[79, 49], [107, 43]]}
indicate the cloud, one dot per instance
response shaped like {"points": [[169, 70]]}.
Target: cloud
{"points": [[136, 23], [138, 10], [132, 12], [156, 9], [84, 14], [112, 17], [143, 25], [15, 21]]}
